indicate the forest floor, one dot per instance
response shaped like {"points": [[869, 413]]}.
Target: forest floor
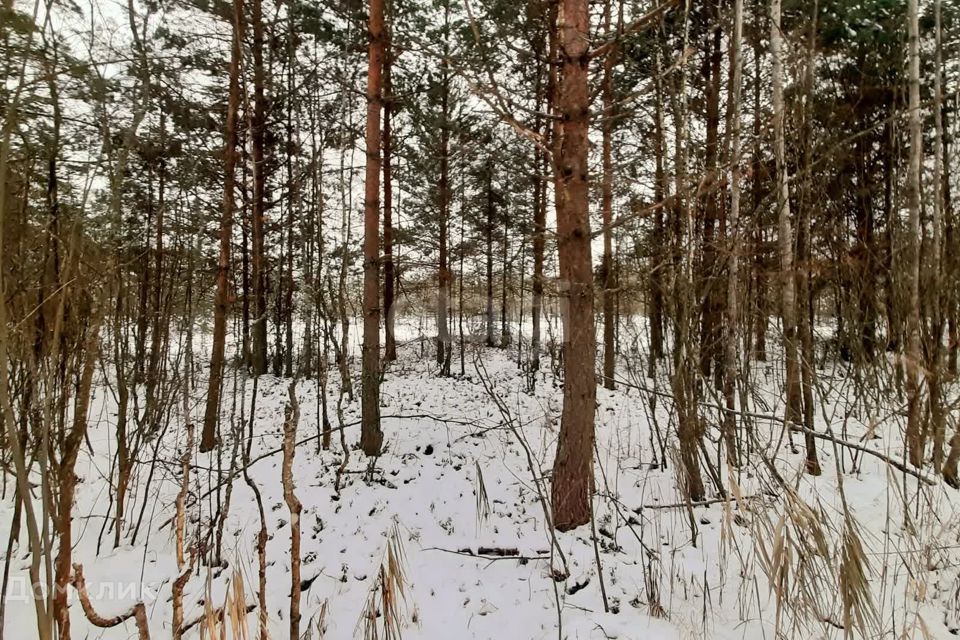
{"points": [[460, 489]]}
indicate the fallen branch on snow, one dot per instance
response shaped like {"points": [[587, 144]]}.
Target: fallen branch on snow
{"points": [[492, 553]]}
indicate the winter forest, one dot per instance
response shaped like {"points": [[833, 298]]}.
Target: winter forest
{"points": [[573, 319]]}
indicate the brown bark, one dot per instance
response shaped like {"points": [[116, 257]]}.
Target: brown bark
{"points": [[504, 283], [862, 341], [915, 437], [489, 237], [606, 208], [794, 409], [573, 467], [553, 97], [208, 438], [389, 269], [540, 168], [293, 504], [258, 135], [176, 596], [180, 526], [245, 252], [760, 319], [443, 206], [894, 337], [293, 199], [709, 289], [67, 481], [124, 455], [950, 259], [138, 612], [950, 475], [460, 286], [371, 436], [805, 307], [158, 326], [938, 297], [658, 268], [180, 517], [731, 335], [683, 381]]}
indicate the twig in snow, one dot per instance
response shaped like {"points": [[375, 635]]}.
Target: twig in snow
{"points": [[138, 611]]}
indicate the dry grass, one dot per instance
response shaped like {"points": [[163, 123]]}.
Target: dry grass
{"points": [[384, 615], [859, 611], [806, 559], [231, 617], [651, 579], [319, 622], [483, 500]]}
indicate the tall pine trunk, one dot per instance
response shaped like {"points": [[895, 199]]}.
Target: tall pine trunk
{"points": [[938, 298], [259, 328], [760, 318], [709, 290], [504, 282], [915, 437], [222, 300], [659, 267], [443, 205], [805, 305], [488, 229], [371, 436], [794, 410], [389, 268], [540, 168], [606, 208], [731, 335], [573, 467]]}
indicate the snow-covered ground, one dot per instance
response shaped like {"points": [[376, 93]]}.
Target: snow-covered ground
{"points": [[456, 477]]}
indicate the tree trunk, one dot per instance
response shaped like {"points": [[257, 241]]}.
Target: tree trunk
{"points": [[861, 342], [222, 300], [938, 298], [489, 233], [259, 328], [685, 388], [124, 455], [606, 208], [504, 284], [460, 330], [658, 268], [950, 260], [760, 320], [794, 409], [67, 478], [731, 368], [443, 204], [573, 467], [293, 201], [805, 306], [241, 145], [894, 337], [371, 436], [389, 273], [292, 417], [157, 327], [709, 289], [540, 168], [916, 442]]}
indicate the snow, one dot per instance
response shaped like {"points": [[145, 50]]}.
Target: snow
{"points": [[439, 433]]}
